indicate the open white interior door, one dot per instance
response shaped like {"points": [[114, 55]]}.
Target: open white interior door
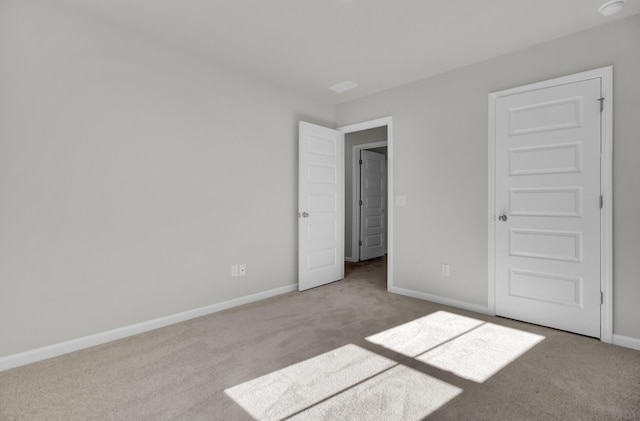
{"points": [[320, 206], [372, 204]]}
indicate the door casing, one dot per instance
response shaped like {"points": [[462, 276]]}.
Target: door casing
{"points": [[606, 183]]}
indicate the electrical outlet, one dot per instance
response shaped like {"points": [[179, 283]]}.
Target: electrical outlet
{"points": [[446, 271], [243, 269], [234, 270]]}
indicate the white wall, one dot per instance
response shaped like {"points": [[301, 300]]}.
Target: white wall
{"points": [[131, 177], [440, 150]]}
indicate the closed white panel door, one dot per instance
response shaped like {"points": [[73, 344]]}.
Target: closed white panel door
{"points": [[547, 227], [372, 204], [320, 206]]}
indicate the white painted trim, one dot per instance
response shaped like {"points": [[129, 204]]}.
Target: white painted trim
{"points": [[626, 341], [355, 177], [371, 124], [55, 350], [390, 204], [606, 181], [491, 221], [365, 125], [350, 259], [606, 215], [442, 300]]}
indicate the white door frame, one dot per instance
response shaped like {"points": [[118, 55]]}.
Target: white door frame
{"points": [[606, 183], [372, 124], [355, 215]]}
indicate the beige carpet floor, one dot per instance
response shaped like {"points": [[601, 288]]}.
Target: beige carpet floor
{"points": [[459, 365]]}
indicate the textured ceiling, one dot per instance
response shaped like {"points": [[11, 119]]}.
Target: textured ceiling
{"points": [[310, 45]]}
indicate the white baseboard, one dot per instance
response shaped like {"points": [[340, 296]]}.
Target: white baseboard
{"points": [[626, 341], [619, 340], [66, 347], [350, 259], [441, 300]]}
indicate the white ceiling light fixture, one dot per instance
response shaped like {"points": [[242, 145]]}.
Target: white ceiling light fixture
{"points": [[343, 86], [611, 7]]}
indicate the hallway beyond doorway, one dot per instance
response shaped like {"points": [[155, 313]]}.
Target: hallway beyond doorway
{"points": [[372, 271]]}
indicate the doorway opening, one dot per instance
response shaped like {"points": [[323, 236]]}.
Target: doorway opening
{"points": [[321, 202], [368, 216], [359, 200]]}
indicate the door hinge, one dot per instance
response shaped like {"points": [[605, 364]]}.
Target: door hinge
{"points": [[360, 242], [601, 298], [360, 202], [601, 202], [601, 104], [360, 162]]}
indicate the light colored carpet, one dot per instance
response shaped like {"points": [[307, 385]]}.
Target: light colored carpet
{"points": [[467, 347], [293, 389], [348, 383], [181, 372], [419, 336], [400, 393], [482, 352]]}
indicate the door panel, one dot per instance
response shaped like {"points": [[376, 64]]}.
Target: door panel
{"points": [[547, 251], [545, 287], [546, 159], [372, 211], [546, 202], [320, 206]]}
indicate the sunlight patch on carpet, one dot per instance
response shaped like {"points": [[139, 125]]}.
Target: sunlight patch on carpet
{"points": [[400, 393], [346, 383], [420, 335], [482, 352], [470, 348]]}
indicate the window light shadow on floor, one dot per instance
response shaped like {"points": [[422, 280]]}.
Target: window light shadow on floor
{"points": [[469, 348], [346, 383], [353, 383]]}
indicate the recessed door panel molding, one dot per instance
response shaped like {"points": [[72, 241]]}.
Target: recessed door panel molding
{"points": [[322, 231], [550, 232], [322, 203], [546, 159], [373, 241], [373, 222], [374, 165], [322, 259], [546, 116], [551, 245], [322, 174], [558, 202], [373, 183], [545, 287], [374, 202], [324, 146]]}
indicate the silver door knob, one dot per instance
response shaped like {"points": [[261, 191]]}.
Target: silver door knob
{"points": [[502, 218], [305, 214]]}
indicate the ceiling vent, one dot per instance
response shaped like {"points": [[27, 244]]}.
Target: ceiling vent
{"points": [[343, 86]]}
